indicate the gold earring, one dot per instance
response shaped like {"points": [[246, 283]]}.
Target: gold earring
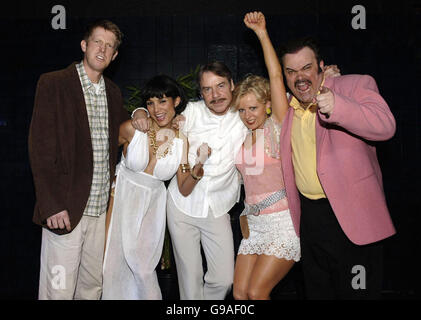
{"points": [[268, 110]]}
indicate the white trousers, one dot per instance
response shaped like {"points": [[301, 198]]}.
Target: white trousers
{"points": [[215, 236], [71, 264]]}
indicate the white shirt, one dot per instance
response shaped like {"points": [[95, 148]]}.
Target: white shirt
{"points": [[219, 188]]}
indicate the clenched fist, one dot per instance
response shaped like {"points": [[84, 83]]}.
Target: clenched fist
{"points": [[203, 153], [140, 121], [60, 220], [255, 21]]}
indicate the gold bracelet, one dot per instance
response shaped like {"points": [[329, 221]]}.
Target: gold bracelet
{"points": [[194, 176], [184, 167]]}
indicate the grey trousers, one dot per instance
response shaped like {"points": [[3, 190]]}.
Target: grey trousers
{"points": [[71, 264], [215, 236]]}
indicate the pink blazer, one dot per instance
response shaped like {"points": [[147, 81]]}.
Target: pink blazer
{"points": [[347, 163]]}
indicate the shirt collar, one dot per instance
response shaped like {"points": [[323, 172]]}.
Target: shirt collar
{"points": [[87, 84]]}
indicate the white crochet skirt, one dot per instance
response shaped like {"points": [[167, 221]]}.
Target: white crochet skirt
{"points": [[272, 234]]}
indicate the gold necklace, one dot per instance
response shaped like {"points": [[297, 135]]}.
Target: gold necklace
{"points": [[155, 148]]}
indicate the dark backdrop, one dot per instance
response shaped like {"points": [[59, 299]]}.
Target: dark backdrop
{"points": [[174, 36]]}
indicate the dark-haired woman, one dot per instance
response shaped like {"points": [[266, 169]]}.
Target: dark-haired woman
{"points": [[137, 224]]}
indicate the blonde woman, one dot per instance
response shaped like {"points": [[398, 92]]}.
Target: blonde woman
{"points": [[270, 246]]}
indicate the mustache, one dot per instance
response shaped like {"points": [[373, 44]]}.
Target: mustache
{"points": [[217, 100]]}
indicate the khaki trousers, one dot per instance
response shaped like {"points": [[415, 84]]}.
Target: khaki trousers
{"points": [[215, 236], [71, 264]]}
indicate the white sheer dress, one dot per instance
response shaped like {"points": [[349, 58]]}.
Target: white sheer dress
{"points": [[137, 226]]}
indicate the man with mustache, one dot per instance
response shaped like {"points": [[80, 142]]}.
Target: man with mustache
{"points": [[332, 175], [73, 146]]}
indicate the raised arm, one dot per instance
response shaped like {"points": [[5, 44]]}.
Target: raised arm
{"points": [[256, 22]]}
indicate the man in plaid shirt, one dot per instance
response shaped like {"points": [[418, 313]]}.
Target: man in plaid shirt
{"points": [[73, 147]]}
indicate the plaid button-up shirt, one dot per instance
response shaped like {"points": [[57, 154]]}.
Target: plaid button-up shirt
{"points": [[97, 109]]}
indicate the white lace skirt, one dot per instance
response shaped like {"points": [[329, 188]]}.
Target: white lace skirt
{"points": [[272, 234]]}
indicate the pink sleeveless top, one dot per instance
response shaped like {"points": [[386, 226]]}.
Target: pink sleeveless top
{"points": [[260, 166]]}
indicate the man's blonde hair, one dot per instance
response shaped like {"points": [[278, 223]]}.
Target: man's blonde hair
{"points": [[106, 25]]}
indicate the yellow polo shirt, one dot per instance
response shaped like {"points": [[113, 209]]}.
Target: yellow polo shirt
{"points": [[303, 142]]}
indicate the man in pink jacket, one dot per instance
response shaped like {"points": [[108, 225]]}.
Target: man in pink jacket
{"points": [[332, 175]]}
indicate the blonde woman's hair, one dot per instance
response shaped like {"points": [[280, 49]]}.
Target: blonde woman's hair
{"points": [[257, 85]]}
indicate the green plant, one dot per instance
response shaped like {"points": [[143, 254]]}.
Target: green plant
{"points": [[133, 101], [187, 81]]}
